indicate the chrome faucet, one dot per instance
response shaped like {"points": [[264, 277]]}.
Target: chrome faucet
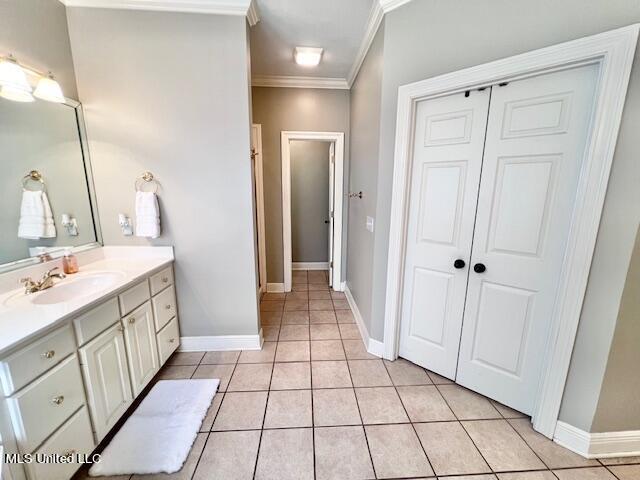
{"points": [[31, 286]]}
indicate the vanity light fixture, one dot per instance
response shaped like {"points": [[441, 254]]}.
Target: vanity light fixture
{"points": [[308, 56], [48, 89], [13, 81]]}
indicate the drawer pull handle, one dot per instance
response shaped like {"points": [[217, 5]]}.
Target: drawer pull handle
{"points": [[58, 400], [168, 307], [132, 320], [49, 354], [165, 279], [171, 340]]}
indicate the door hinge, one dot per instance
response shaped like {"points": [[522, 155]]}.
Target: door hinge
{"points": [[331, 214], [331, 263]]}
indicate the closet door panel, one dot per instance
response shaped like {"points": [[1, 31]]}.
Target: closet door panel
{"points": [[445, 173], [536, 137]]}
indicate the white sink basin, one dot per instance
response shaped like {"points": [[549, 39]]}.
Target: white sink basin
{"points": [[76, 287]]}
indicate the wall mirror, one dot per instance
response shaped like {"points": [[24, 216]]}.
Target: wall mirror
{"points": [[47, 198]]}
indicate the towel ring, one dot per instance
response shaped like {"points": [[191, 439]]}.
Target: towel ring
{"points": [[34, 176], [146, 177]]}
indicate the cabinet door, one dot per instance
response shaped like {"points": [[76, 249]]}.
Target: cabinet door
{"points": [[142, 350], [104, 366]]}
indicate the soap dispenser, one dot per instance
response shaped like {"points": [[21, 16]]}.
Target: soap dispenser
{"points": [[69, 263]]}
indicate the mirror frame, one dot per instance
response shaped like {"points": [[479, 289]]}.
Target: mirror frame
{"points": [[88, 171]]}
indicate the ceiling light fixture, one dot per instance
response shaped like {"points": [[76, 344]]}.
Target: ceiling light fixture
{"points": [[48, 89], [13, 81], [308, 56]]}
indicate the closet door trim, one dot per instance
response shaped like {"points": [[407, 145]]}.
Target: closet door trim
{"points": [[613, 51]]}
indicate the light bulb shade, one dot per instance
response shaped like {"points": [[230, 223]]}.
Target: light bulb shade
{"points": [[308, 56], [15, 94], [48, 89], [12, 76]]}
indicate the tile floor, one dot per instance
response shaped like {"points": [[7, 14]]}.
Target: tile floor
{"points": [[313, 404]]}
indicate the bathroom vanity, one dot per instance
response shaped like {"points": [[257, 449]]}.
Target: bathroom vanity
{"points": [[74, 357]]}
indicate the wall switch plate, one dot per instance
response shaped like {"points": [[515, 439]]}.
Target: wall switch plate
{"points": [[370, 224]]}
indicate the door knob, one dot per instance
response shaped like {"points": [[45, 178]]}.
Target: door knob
{"points": [[459, 263], [479, 268]]}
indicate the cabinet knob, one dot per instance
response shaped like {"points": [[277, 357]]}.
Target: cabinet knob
{"points": [[120, 328], [69, 453], [132, 320], [168, 307], [165, 279], [171, 340], [49, 354], [58, 400]]}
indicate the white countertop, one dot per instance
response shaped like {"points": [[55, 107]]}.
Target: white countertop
{"points": [[21, 319]]}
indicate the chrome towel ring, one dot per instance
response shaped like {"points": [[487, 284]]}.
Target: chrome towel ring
{"points": [[33, 176]]}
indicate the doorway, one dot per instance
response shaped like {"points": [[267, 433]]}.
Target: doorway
{"points": [[312, 201], [258, 191]]}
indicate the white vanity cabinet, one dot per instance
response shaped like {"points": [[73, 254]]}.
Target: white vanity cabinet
{"points": [[142, 349]]}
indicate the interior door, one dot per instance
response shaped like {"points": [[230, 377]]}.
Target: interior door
{"points": [[258, 191], [142, 350], [447, 160], [535, 144], [332, 149]]}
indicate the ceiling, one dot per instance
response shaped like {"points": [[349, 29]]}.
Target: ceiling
{"points": [[338, 26]]}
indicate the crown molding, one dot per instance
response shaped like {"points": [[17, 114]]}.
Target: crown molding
{"points": [[291, 81], [253, 16], [388, 5], [215, 7], [373, 23]]}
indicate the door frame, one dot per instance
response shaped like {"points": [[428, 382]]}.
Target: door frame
{"points": [[338, 139], [614, 52], [259, 179]]}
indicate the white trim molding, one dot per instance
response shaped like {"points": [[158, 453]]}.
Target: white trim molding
{"points": [[374, 347], [614, 52], [373, 23], [338, 199], [275, 287], [310, 265], [290, 81], [253, 16], [598, 445], [221, 342]]}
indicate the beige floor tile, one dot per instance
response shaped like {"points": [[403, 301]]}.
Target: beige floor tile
{"points": [[501, 446], [355, 350], [507, 412], [320, 295], [264, 355], [270, 318], [380, 405], [295, 318], [291, 376], [317, 276], [270, 333], [296, 305], [335, 406], [222, 372], [369, 373], [468, 405], [288, 408], [342, 453], [315, 287], [273, 296], [251, 377], [349, 331], [286, 455], [186, 472], [229, 455], [299, 275], [324, 331], [449, 449], [396, 451], [185, 358], [425, 404], [598, 473], [527, 476], [338, 295], [626, 472], [241, 411], [83, 474], [470, 477], [620, 460], [331, 374], [327, 350], [320, 305], [299, 287], [292, 352], [552, 454], [341, 304], [345, 316], [299, 280], [176, 372], [294, 332], [322, 316], [403, 372], [437, 379], [298, 296], [220, 358], [272, 306], [212, 412]]}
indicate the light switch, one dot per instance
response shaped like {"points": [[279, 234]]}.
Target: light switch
{"points": [[370, 224]]}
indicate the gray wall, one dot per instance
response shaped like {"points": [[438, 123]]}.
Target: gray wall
{"points": [[309, 200], [168, 93], [35, 32], [279, 109], [427, 38], [365, 137]]}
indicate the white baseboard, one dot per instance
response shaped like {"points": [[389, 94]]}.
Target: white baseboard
{"points": [[374, 347], [598, 445], [221, 342], [310, 266], [275, 287]]}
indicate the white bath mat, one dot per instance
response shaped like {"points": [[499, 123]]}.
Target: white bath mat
{"points": [[158, 436]]}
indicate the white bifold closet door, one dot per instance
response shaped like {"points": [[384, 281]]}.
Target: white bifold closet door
{"points": [[534, 145]]}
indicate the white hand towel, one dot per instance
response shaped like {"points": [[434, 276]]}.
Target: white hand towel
{"points": [[147, 215], [32, 216], [49, 224]]}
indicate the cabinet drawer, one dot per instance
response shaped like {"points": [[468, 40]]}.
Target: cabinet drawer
{"points": [[26, 364], [73, 438], [168, 340], [134, 297], [96, 321], [161, 280], [164, 307], [41, 407]]}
